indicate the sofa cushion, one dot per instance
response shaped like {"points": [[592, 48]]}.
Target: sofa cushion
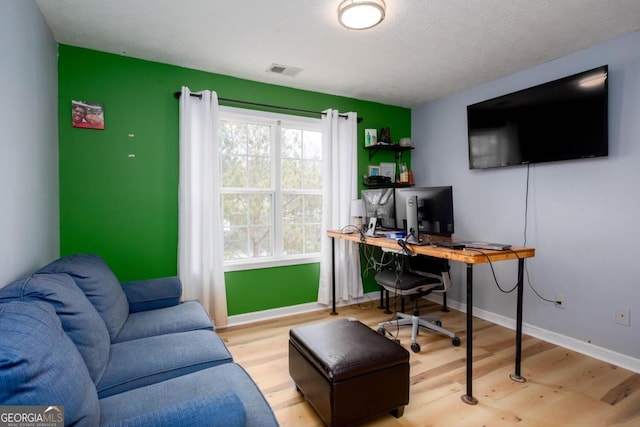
{"points": [[79, 318], [99, 284], [223, 409], [188, 316], [151, 294], [145, 361], [39, 365], [218, 379]]}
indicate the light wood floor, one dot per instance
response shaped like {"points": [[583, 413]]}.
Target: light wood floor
{"points": [[563, 388]]}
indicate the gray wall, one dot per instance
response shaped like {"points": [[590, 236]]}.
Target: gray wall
{"points": [[29, 217], [582, 215]]}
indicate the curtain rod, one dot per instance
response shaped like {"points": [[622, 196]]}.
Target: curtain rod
{"points": [[177, 95]]}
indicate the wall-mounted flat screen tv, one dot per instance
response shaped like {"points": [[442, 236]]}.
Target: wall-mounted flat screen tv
{"points": [[560, 120]]}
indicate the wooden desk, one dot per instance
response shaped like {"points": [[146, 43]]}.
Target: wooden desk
{"points": [[470, 257]]}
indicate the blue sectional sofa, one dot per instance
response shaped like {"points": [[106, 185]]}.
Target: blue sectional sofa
{"points": [[119, 354]]}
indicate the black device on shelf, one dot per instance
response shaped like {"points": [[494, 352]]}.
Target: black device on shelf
{"points": [[377, 180], [560, 120]]}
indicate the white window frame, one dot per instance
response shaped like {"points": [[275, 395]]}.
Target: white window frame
{"points": [[284, 120]]}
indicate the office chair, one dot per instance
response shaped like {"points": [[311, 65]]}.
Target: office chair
{"points": [[415, 277]]}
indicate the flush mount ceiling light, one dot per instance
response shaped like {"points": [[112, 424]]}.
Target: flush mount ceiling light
{"points": [[361, 14]]}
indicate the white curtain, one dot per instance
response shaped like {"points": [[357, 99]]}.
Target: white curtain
{"points": [[339, 186], [199, 218]]}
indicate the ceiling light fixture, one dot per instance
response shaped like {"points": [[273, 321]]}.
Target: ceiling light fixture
{"points": [[361, 14]]}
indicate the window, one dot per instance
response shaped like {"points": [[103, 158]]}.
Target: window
{"points": [[271, 189]]}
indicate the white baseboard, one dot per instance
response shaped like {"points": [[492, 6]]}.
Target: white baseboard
{"points": [[241, 319], [588, 349], [600, 353]]}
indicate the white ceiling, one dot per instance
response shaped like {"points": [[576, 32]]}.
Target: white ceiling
{"points": [[423, 50]]}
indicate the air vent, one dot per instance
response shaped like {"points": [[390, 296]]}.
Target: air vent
{"points": [[285, 70]]}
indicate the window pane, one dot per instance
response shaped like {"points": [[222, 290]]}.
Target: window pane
{"points": [[259, 140], [302, 215], [235, 208], [293, 239], [234, 171], [313, 209], [301, 164], [245, 155], [312, 145], [260, 209], [236, 243], [232, 137], [312, 175], [291, 143], [247, 208], [261, 245], [292, 208], [312, 242], [291, 174], [259, 172], [247, 219]]}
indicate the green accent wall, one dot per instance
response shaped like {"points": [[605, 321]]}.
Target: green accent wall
{"points": [[119, 186]]}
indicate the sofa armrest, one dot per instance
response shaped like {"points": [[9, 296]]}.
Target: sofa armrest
{"points": [[152, 294], [222, 409]]}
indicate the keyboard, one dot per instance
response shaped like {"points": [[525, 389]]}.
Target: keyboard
{"points": [[486, 245]]}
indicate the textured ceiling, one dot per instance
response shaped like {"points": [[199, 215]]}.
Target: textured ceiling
{"points": [[423, 50]]}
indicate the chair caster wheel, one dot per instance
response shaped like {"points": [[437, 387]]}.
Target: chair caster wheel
{"points": [[415, 347], [439, 323], [381, 331], [455, 341]]}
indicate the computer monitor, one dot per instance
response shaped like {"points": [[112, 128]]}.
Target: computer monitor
{"points": [[435, 209], [380, 203]]}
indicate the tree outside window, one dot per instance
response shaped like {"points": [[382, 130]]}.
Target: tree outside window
{"points": [[271, 190]]}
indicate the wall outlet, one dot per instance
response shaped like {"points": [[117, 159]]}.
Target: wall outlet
{"points": [[560, 303], [623, 316]]}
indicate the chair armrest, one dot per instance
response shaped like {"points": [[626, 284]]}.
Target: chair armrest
{"points": [[222, 409], [152, 294]]}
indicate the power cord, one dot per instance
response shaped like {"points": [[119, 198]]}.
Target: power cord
{"points": [[526, 216], [353, 228], [495, 279], [405, 247], [399, 267], [493, 272], [347, 229]]}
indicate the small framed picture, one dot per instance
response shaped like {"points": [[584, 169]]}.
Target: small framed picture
{"points": [[88, 115], [374, 170], [370, 137], [388, 169]]}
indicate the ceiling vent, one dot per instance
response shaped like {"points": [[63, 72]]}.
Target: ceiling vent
{"points": [[285, 70]]}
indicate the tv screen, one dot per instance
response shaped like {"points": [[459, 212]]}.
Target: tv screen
{"points": [[560, 120], [435, 209]]}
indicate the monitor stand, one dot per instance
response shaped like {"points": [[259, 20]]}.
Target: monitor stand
{"points": [[413, 232]]}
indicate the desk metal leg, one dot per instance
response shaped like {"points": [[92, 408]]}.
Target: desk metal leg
{"points": [[333, 277], [444, 308], [468, 398], [516, 376]]}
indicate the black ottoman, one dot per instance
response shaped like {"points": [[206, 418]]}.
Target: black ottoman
{"points": [[348, 372]]}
